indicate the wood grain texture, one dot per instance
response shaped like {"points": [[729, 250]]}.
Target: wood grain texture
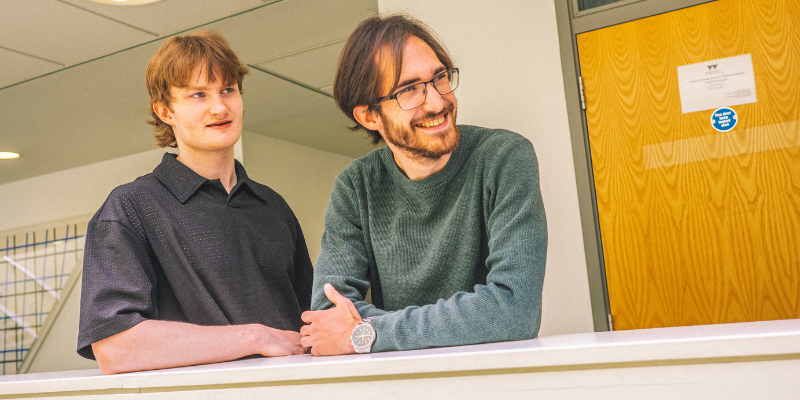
{"points": [[697, 228]]}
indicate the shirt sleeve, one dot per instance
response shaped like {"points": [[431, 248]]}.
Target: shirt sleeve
{"points": [[507, 307], [118, 288], [343, 258]]}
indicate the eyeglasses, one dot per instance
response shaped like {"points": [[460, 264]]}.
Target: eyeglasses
{"points": [[413, 96]]}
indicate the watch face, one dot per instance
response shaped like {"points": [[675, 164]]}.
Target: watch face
{"points": [[363, 336]]}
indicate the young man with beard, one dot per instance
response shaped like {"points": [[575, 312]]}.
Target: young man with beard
{"points": [[445, 224], [193, 263]]}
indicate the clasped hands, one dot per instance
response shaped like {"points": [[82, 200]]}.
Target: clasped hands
{"points": [[328, 331]]}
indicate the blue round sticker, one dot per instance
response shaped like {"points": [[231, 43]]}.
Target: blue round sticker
{"points": [[724, 119]]}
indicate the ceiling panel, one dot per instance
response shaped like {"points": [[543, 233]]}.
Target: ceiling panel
{"points": [[62, 33], [77, 116], [16, 67], [292, 25], [315, 67], [171, 16], [95, 111], [280, 109]]}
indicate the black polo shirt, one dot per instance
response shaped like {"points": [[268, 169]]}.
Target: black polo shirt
{"points": [[175, 246]]}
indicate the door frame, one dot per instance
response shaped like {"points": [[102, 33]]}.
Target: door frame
{"points": [[570, 23]]}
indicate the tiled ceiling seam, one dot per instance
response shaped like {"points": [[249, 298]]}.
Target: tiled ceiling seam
{"points": [[267, 3]]}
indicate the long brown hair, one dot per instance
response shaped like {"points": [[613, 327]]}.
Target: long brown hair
{"points": [[375, 46], [173, 65]]}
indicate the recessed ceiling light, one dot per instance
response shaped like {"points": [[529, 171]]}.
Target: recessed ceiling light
{"points": [[125, 2], [7, 155]]}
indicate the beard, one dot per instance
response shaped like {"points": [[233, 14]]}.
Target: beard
{"points": [[422, 145]]}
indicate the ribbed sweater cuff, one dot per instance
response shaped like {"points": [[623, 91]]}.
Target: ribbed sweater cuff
{"points": [[384, 337]]}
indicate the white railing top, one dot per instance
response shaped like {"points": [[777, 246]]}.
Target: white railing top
{"points": [[673, 346]]}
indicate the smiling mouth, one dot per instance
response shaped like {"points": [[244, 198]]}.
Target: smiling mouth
{"points": [[433, 122]]}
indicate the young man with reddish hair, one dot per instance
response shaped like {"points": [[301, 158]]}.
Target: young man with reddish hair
{"points": [[445, 224], [193, 263]]}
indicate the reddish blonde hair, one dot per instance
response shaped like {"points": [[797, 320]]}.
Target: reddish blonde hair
{"points": [[173, 65]]}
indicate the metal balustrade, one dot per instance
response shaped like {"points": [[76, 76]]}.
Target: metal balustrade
{"points": [[33, 269]]}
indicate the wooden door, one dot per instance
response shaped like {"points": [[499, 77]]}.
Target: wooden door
{"points": [[697, 226]]}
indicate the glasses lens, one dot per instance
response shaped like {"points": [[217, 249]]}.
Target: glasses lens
{"points": [[411, 96], [414, 95], [453, 73], [447, 81]]}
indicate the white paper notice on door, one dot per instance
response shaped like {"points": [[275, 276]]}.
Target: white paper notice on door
{"points": [[717, 83]]}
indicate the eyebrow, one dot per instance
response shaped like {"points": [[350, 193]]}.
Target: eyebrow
{"points": [[191, 88], [415, 80]]}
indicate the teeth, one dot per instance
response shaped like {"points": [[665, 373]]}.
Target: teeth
{"points": [[432, 123]]}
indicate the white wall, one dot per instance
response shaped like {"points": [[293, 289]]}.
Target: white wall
{"points": [[302, 175], [71, 193], [55, 349], [508, 55]]}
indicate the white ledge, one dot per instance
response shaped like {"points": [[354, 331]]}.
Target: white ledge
{"points": [[709, 344]]}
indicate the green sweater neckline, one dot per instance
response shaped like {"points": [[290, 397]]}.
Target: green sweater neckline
{"points": [[440, 177]]}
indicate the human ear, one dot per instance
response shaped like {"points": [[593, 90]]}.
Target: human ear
{"points": [[370, 119], [163, 112]]}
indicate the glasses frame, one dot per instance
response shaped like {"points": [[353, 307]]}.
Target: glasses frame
{"points": [[424, 90]]}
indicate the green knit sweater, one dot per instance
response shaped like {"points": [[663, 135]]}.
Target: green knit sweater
{"points": [[455, 258]]}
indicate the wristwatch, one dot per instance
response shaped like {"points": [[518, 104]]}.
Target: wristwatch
{"points": [[363, 336]]}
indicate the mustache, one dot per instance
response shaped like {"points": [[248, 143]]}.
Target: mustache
{"points": [[428, 116]]}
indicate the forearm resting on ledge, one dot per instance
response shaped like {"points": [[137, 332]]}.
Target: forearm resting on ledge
{"points": [[154, 344]]}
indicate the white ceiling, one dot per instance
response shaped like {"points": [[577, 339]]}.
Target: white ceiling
{"points": [[72, 74]]}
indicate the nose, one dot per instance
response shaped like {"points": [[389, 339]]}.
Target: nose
{"points": [[433, 100], [218, 106]]}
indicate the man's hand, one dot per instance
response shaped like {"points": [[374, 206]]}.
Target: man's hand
{"points": [[276, 342], [328, 332]]}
